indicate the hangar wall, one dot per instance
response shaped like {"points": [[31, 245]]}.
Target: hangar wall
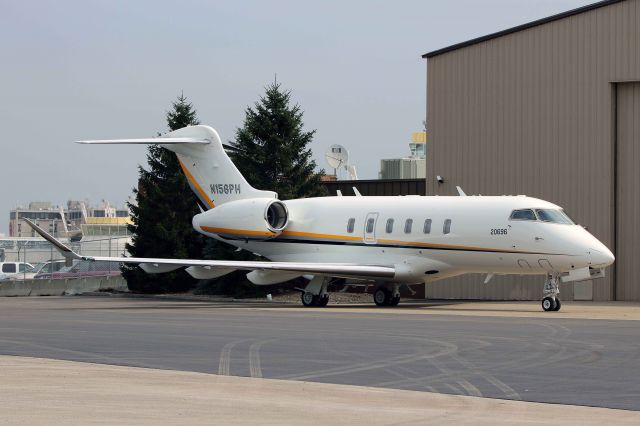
{"points": [[628, 190], [538, 111]]}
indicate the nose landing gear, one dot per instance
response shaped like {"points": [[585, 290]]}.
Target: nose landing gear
{"points": [[551, 301]]}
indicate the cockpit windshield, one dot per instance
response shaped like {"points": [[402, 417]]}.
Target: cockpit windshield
{"points": [[554, 216], [523, 214], [543, 215]]}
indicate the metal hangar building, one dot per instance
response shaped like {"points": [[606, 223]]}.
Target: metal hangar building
{"points": [[550, 109]]}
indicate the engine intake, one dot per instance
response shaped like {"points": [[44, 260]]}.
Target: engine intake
{"points": [[255, 218], [277, 216]]}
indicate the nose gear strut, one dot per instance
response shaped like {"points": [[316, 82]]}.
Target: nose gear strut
{"points": [[551, 301]]}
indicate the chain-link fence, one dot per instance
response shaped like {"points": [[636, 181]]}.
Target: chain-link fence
{"points": [[25, 258]]}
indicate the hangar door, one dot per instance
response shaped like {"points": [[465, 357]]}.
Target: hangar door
{"points": [[628, 192]]}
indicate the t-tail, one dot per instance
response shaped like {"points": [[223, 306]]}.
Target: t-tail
{"points": [[211, 174]]}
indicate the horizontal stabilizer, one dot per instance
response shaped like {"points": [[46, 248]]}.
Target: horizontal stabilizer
{"points": [[147, 141]]}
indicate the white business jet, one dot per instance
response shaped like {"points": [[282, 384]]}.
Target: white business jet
{"points": [[388, 241]]}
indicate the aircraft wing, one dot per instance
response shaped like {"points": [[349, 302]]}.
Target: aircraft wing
{"points": [[153, 265]]}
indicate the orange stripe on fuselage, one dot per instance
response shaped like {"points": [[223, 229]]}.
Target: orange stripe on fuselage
{"points": [[195, 184], [427, 245], [314, 235], [235, 231], [346, 238]]}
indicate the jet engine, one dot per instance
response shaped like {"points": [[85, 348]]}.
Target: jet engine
{"points": [[254, 218]]}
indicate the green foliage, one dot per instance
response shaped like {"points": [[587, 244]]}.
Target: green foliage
{"points": [[272, 151], [162, 214]]}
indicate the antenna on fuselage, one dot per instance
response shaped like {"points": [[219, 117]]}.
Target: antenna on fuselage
{"points": [[461, 192]]}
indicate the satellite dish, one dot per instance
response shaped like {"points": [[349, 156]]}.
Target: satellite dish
{"points": [[337, 156]]}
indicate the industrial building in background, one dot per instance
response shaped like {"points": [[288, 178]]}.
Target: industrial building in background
{"points": [[411, 167], [550, 109], [401, 176], [59, 221], [93, 231]]}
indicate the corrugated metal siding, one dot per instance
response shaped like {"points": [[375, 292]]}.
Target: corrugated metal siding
{"points": [[628, 210], [532, 113]]}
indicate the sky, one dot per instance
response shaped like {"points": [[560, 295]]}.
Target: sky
{"points": [[72, 70]]}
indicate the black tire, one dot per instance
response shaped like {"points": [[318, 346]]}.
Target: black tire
{"points": [[548, 304], [309, 299], [381, 296], [558, 305], [323, 301], [394, 301]]}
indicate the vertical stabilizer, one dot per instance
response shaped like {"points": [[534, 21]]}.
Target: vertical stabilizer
{"points": [[211, 174]]}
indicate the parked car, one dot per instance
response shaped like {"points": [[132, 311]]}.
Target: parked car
{"points": [[98, 268], [48, 267], [17, 270]]}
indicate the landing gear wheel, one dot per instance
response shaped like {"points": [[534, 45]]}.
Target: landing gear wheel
{"points": [[394, 300], [322, 301], [548, 304], [382, 296], [558, 305], [309, 299]]}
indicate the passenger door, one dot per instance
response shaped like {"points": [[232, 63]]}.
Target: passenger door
{"points": [[370, 228]]}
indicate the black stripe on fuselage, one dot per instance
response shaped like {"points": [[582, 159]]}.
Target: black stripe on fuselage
{"points": [[363, 244]]}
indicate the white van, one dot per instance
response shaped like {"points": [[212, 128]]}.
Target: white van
{"points": [[17, 270]]}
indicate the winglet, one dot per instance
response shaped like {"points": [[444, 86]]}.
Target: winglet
{"points": [[64, 250]]}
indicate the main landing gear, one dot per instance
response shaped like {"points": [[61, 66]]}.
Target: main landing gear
{"points": [[315, 293], [385, 297], [318, 300], [551, 301]]}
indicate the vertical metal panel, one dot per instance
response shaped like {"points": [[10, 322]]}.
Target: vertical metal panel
{"points": [[531, 113], [628, 191]]}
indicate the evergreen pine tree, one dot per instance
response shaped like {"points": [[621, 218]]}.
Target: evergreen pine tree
{"points": [[272, 151], [162, 214]]}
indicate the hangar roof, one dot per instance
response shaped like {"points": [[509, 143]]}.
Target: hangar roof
{"points": [[521, 27]]}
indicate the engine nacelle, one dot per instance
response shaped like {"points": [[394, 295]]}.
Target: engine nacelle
{"points": [[253, 218]]}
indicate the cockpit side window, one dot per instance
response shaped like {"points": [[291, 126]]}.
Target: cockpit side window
{"points": [[523, 214], [554, 216]]}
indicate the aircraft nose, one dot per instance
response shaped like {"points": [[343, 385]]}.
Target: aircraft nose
{"points": [[601, 256]]}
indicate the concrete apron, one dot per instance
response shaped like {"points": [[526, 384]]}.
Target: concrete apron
{"points": [[41, 391]]}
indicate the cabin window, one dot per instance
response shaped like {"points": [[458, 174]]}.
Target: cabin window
{"points": [[427, 226], [370, 222], [9, 267], [523, 214], [389, 227], [407, 226], [447, 226], [351, 224]]}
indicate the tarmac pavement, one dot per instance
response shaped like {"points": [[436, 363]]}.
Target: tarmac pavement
{"points": [[506, 351]]}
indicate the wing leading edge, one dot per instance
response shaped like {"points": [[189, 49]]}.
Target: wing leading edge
{"points": [[343, 270]]}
